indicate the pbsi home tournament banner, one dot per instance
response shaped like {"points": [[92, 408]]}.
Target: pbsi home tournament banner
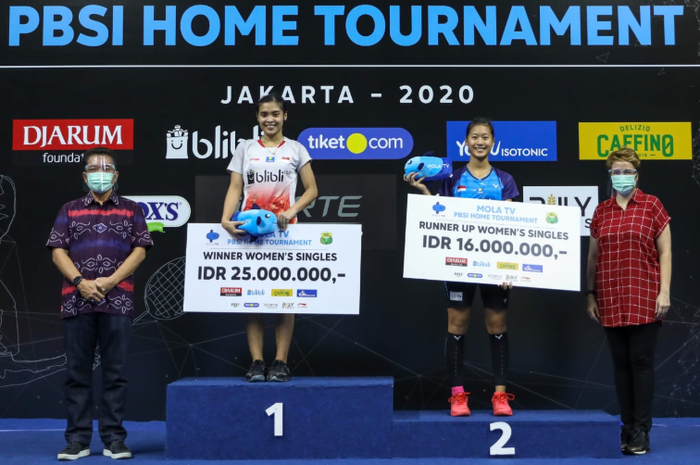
{"points": [[309, 268], [484, 241]]}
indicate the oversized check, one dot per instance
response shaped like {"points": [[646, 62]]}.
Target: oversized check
{"points": [[309, 268], [485, 241]]}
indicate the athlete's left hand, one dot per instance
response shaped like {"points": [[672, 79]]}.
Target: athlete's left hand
{"points": [[506, 286], [284, 218], [663, 303]]}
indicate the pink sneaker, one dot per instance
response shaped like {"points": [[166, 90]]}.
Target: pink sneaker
{"points": [[500, 404], [459, 406]]}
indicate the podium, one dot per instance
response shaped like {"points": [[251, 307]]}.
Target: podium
{"points": [[312, 418], [329, 418]]}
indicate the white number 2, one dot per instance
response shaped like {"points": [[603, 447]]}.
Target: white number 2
{"points": [[498, 449], [277, 410]]}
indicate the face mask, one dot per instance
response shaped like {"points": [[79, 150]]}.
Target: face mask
{"points": [[623, 183], [100, 182]]}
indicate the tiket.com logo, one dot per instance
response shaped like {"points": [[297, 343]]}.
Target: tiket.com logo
{"points": [[456, 261], [506, 266], [256, 292], [659, 141], [222, 145], [166, 211], [281, 293], [307, 293], [357, 143], [231, 292], [478, 263], [532, 268]]}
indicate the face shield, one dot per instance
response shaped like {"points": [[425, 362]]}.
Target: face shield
{"points": [[100, 174]]}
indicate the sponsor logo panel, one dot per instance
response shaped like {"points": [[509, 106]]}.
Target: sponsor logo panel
{"points": [[307, 293], [456, 261], [583, 197], [515, 141], [63, 141], [357, 143], [507, 266], [654, 141], [164, 211], [231, 291], [281, 292]]}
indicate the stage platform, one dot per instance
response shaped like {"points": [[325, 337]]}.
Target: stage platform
{"points": [[675, 441]]}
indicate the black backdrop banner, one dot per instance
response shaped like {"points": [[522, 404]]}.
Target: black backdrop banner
{"points": [[75, 73]]}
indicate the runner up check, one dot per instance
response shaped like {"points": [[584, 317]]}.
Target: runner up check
{"points": [[484, 241]]}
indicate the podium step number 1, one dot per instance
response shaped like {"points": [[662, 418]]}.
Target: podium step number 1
{"points": [[498, 449], [278, 411]]}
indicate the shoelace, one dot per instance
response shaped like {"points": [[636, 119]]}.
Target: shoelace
{"points": [[460, 398], [503, 397]]}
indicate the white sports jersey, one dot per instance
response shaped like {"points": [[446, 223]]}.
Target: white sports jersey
{"points": [[269, 174]]}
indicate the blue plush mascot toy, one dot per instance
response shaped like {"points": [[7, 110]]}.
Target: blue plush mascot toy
{"points": [[257, 222], [428, 167]]}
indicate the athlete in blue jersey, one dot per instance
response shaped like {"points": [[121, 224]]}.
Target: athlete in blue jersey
{"points": [[476, 180]]}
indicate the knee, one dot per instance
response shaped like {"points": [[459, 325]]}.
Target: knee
{"points": [[496, 322], [458, 322]]}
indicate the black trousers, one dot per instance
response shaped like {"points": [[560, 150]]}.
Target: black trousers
{"points": [[632, 349], [82, 335]]}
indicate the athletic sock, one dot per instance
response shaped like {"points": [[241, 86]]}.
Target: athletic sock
{"points": [[499, 357], [454, 357]]}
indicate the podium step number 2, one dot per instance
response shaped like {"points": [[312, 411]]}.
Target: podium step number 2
{"points": [[278, 411], [497, 448]]}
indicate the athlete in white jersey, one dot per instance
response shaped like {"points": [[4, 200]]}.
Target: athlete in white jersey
{"points": [[265, 171]]}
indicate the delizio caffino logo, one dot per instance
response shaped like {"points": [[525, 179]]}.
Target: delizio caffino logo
{"points": [[653, 141]]}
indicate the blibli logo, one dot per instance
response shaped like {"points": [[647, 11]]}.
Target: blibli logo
{"points": [[164, 211], [222, 145], [357, 143]]}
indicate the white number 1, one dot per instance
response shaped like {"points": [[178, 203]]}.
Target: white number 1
{"points": [[277, 410], [498, 449]]}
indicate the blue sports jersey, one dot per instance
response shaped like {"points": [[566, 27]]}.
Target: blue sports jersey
{"points": [[498, 185]]}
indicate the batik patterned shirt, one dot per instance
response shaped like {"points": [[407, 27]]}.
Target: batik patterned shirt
{"points": [[98, 239]]}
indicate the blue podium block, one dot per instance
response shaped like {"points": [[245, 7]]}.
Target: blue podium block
{"points": [[534, 434], [231, 419]]}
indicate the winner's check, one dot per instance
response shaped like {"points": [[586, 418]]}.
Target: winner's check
{"points": [[490, 242], [309, 268]]}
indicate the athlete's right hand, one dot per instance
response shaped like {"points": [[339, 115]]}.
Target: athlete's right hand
{"points": [[232, 228], [593, 310], [413, 180]]}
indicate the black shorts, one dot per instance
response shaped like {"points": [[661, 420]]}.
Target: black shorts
{"points": [[461, 295]]}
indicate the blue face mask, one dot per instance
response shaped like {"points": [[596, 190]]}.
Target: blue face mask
{"points": [[623, 183], [100, 182]]}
